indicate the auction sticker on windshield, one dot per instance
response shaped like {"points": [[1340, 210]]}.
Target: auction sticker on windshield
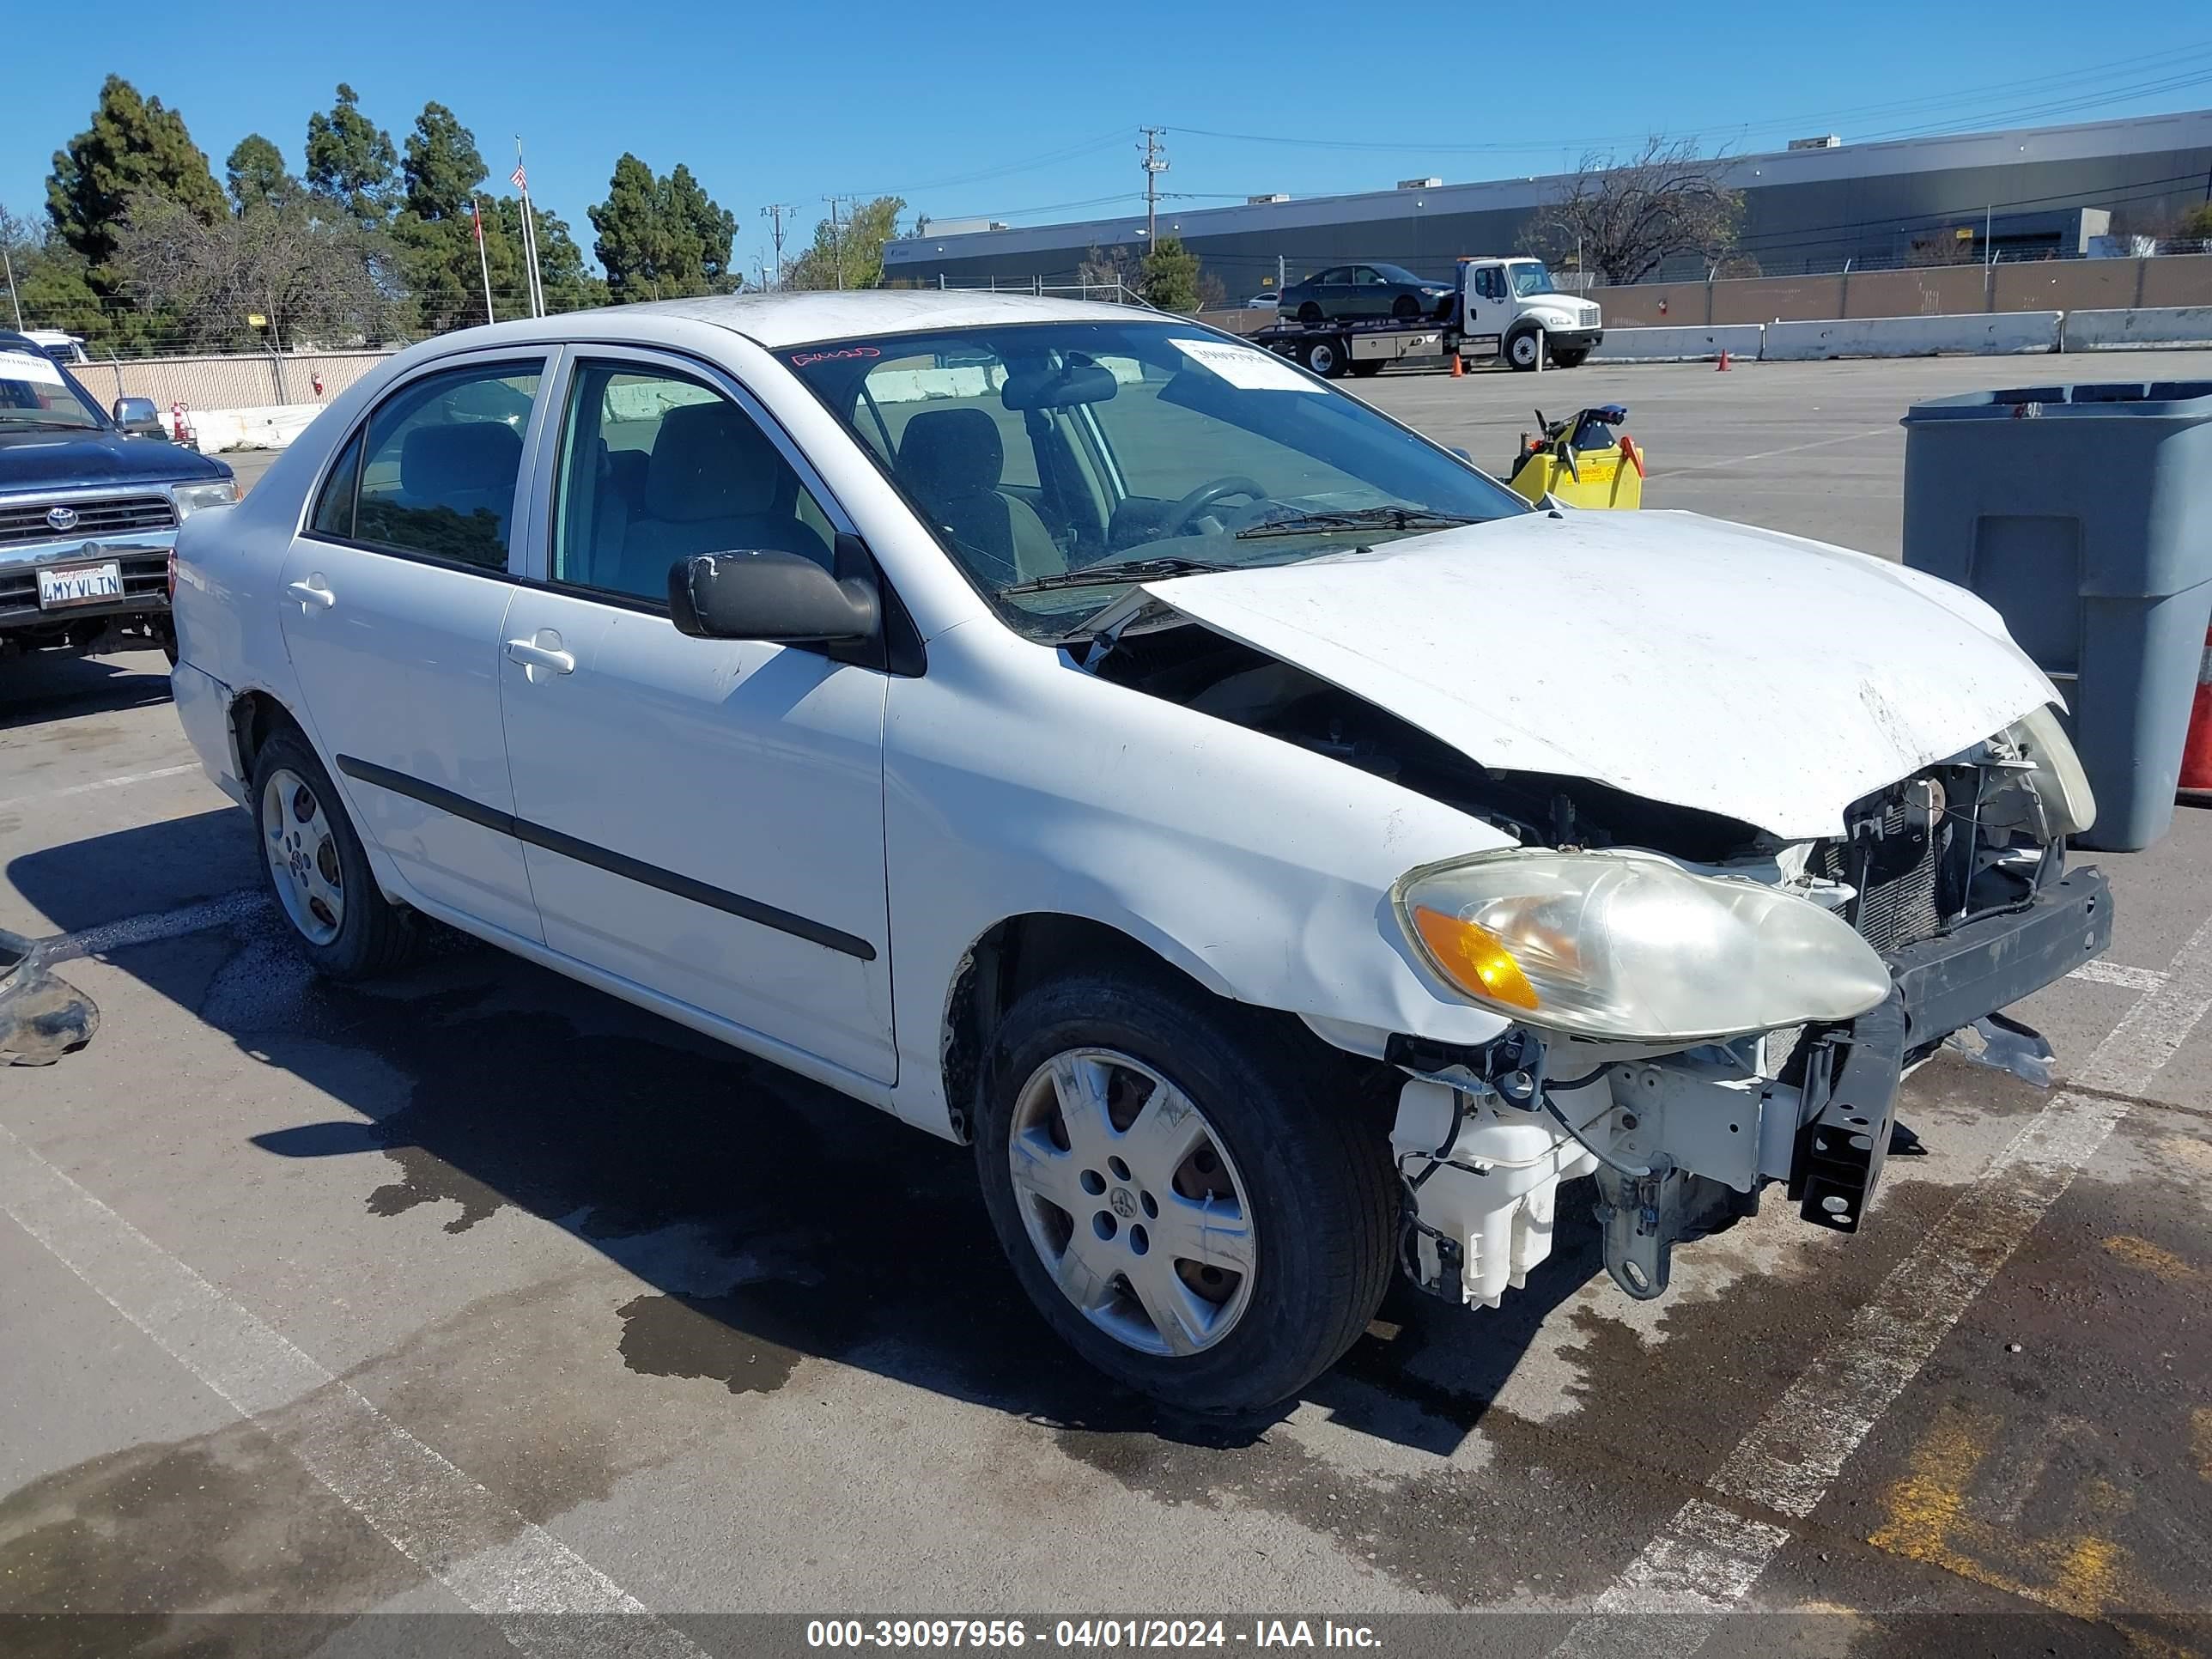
{"points": [[1246, 366], [28, 365]]}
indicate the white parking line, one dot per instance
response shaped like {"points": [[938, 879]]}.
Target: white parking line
{"points": [[500, 1563], [218, 912], [2101, 972], [103, 783], [1769, 454], [1787, 1462]]}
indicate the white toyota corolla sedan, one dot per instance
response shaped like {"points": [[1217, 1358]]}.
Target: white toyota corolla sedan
{"points": [[1283, 853]]}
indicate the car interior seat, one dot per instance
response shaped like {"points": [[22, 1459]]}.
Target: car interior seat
{"points": [[954, 460], [469, 466], [713, 484]]}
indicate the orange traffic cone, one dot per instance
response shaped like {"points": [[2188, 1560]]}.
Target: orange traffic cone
{"points": [[2196, 748], [1459, 370], [1723, 365]]}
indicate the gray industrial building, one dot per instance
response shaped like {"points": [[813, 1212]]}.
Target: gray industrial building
{"points": [[2035, 192]]}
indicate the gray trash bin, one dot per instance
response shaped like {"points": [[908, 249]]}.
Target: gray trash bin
{"points": [[2084, 514]]}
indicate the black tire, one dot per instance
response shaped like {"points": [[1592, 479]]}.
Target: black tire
{"points": [[1309, 314], [1523, 347], [374, 936], [1326, 356], [1574, 359], [1406, 308], [1367, 368], [1316, 1174]]}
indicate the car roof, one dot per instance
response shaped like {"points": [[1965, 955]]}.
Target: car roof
{"points": [[776, 320]]}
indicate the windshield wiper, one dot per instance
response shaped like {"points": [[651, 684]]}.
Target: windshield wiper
{"points": [[47, 423], [1365, 518], [1129, 570]]}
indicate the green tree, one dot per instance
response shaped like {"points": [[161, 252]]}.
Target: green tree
{"points": [[350, 161], [134, 146], [51, 288], [567, 282], [851, 247], [2196, 225], [434, 232], [256, 173], [1171, 276], [661, 237]]}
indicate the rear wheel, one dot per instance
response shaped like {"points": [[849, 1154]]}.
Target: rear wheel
{"points": [[317, 873], [1195, 1205], [1310, 313], [1326, 357]]}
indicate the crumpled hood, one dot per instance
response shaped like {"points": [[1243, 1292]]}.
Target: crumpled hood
{"points": [[1681, 658]]}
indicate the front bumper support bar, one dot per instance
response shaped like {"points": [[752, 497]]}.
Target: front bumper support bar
{"points": [[1852, 1071]]}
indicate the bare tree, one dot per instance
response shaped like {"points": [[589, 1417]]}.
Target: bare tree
{"points": [[1624, 218], [309, 276]]}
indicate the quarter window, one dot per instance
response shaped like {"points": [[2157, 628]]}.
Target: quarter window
{"points": [[334, 508], [656, 466], [439, 464]]}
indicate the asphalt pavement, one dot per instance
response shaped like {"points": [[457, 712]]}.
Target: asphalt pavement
{"points": [[477, 1290]]}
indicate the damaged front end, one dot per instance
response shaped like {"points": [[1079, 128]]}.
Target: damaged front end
{"points": [[1954, 879], [1710, 990]]}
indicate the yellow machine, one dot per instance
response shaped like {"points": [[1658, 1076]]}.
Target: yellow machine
{"points": [[1580, 461]]}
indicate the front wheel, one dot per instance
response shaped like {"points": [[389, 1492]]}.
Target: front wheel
{"points": [[1196, 1206], [1523, 348]]}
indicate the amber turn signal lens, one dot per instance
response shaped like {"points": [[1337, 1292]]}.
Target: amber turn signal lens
{"points": [[1474, 958]]}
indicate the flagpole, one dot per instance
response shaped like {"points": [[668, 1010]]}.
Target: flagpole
{"points": [[483, 260], [529, 234]]}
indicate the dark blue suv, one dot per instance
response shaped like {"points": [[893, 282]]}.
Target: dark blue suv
{"points": [[88, 513]]}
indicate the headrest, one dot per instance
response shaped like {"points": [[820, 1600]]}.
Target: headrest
{"points": [[952, 451], [710, 461], [465, 458]]}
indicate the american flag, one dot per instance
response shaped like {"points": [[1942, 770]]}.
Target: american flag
{"points": [[518, 179]]}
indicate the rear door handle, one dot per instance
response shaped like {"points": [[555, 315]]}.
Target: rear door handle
{"points": [[534, 656], [312, 594]]}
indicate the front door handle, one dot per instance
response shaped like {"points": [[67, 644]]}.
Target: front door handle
{"points": [[542, 655], [312, 594]]}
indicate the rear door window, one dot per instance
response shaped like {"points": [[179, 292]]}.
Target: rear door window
{"points": [[439, 464]]}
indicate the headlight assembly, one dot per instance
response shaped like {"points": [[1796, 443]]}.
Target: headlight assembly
{"points": [[1630, 947], [2059, 781], [191, 498]]}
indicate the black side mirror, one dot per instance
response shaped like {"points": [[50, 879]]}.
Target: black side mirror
{"points": [[779, 597]]}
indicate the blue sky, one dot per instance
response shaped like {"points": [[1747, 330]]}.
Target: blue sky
{"points": [[1028, 112]]}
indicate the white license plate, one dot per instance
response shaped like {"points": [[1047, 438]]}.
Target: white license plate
{"points": [[79, 584]]}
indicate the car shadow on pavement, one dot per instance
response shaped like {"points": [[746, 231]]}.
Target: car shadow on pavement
{"points": [[770, 1220], [49, 685]]}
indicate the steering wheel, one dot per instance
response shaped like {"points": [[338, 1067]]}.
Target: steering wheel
{"points": [[1180, 515]]}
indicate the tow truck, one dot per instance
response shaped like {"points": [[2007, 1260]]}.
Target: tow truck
{"points": [[1499, 309]]}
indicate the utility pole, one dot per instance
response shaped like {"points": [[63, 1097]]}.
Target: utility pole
{"points": [[836, 245], [773, 213], [9, 262], [1155, 163]]}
